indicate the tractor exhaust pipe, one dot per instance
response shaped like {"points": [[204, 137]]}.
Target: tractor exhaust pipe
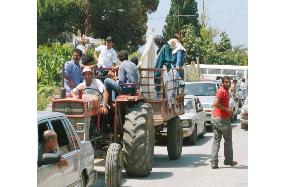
{"points": [[62, 89]]}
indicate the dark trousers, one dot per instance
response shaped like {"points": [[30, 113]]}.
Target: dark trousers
{"points": [[222, 127]]}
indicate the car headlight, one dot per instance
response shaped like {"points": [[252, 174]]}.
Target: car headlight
{"points": [[184, 123]]}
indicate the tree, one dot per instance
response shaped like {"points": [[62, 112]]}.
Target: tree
{"points": [[54, 17], [182, 7], [210, 52], [123, 20]]}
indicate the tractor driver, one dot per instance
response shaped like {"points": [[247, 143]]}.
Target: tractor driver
{"points": [[91, 85]]}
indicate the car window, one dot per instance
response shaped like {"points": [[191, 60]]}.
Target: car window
{"points": [[201, 89], [72, 134], [62, 137], [43, 126], [189, 105]]}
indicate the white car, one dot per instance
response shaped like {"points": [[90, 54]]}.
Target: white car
{"points": [[206, 92], [193, 120], [79, 154]]}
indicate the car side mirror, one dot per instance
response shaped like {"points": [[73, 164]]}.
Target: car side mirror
{"points": [[199, 108], [50, 158]]}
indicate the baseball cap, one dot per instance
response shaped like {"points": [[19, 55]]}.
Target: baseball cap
{"points": [[87, 69], [109, 38]]}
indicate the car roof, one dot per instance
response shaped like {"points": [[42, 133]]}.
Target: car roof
{"points": [[45, 115], [205, 81]]}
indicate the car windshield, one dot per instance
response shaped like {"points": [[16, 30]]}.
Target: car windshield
{"points": [[200, 89], [189, 104]]}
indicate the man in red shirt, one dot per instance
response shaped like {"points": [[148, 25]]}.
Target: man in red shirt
{"points": [[222, 125]]}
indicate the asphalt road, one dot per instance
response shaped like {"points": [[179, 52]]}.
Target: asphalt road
{"points": [[193, 168]]}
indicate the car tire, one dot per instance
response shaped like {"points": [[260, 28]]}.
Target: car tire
{"points": [[139, 140], [174, 138], [82, 181], [192, 139], [204, 131], [113, 165]]}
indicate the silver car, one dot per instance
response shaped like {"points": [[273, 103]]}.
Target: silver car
{"points": [[193, 120], [79, 154]]}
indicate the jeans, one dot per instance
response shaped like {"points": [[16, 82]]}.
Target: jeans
{"points": [[222, 127]]}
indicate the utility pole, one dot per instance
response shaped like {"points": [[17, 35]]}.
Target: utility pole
{"points": [[203, 16]]}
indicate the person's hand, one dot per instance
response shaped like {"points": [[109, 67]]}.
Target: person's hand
{"points": [[71, 84], [115, 78], [80, 88], [62, 162], [177, 68], [229, 111], [104, 109]]}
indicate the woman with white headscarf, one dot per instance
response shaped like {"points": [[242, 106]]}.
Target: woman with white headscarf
{"points": [[178, 52]]}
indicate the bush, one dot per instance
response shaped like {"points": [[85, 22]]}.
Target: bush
{"points": [[50, 60]]}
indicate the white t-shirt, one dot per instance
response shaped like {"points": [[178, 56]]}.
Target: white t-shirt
{"points": [[107, 57], [96, 84]]}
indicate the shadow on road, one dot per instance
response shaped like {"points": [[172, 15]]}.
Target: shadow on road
{"points": [[235, 167], [153, 176], [200, 141], [186, 160]]}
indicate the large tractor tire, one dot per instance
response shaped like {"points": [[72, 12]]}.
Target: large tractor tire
{"points": [[174, 138], [138, 140], [113, 165]]}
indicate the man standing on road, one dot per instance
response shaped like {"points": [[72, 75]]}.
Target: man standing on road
{"points": [[243, 88], [73, 72], [222, 125]]}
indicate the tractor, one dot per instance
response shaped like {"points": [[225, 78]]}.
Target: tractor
{"points": [[127, 139]]}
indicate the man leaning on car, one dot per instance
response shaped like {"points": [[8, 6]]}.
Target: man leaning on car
{"points": [[222, 125], [50, 144]]}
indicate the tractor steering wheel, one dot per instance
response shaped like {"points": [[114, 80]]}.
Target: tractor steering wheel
{"points": [[93, 91]]}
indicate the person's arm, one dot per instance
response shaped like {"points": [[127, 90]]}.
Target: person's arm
{"points": [[98, 49], [217, 104], [62, 162], [180, 59], [67, 70], [122, 74], [168, 57]]}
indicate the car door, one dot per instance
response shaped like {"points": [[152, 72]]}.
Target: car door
{"points": [[51, 174], [68, 151]]}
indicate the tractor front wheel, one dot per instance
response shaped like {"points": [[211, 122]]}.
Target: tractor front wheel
{"points": [[174, 138], [138, 140]]}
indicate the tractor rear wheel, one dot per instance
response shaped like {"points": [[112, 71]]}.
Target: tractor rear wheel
{"points": [[174, 138], [113, 165], [138, 140]]}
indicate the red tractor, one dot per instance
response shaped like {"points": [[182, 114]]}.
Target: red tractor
{"points": [[133, 122]]}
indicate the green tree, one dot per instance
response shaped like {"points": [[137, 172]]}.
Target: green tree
{"points": [[182, 7], [225, 43], [54, 17], [123, 20]]}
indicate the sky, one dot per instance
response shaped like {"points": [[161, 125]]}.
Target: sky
{"points": [[230, 16]]}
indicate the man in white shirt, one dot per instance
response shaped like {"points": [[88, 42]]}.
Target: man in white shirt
{"points": [[108, 56], [244, 89], [91, 85]]}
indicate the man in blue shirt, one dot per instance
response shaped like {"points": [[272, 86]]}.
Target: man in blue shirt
{"points": [[127, 80], [164, 60], [73, 72]]}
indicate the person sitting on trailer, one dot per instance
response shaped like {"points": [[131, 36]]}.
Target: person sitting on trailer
{"points": [[127, 80]]}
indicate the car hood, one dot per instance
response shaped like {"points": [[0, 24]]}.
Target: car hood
{"points": [[206, 101], [187, 115]]}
